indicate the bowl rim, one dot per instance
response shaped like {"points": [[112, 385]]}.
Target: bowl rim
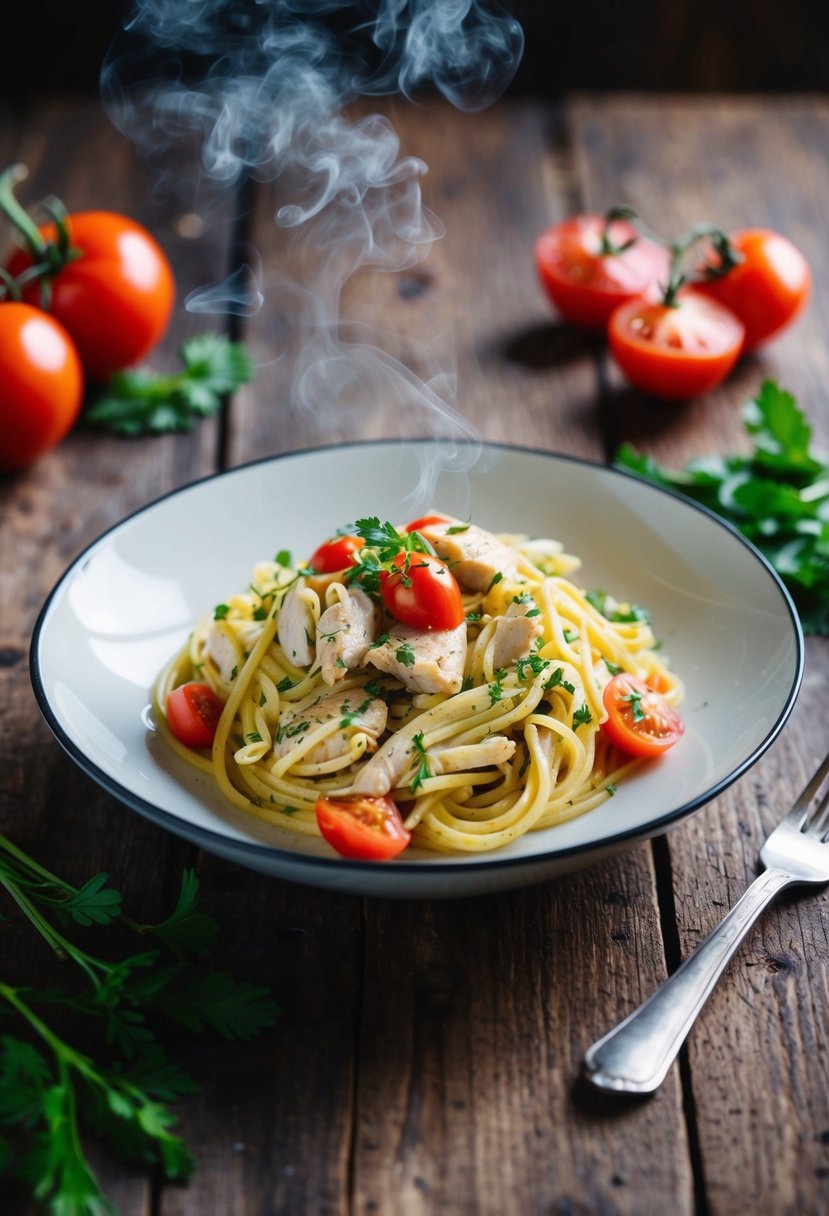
{"points": [[441, 864]]}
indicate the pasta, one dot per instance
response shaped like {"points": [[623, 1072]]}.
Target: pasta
{"points": [[479, 733]]}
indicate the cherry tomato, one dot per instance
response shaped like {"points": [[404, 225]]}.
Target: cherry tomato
{"points": [[675, 351], [768, 288], [640, 721], [115, 299], [586, 284], [365, 828], [193, 712], [335, 554], [428, 521], [41, 384], [422, 592]]}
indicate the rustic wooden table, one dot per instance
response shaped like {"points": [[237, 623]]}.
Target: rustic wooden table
{"points": [[428, 1056]]}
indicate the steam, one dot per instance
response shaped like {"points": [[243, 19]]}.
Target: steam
{"points": [[262, 86]]}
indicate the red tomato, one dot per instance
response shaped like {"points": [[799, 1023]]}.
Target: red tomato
{"points": [[586, 284], [335, 554], [768, 288], [428, 521], [640, 721], [193, 712], [41, 384], [365, 828], [675, 352], [422, 592], [115, 299]]}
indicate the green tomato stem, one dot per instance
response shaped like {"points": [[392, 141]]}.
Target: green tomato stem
{"points": [[16, 214]]}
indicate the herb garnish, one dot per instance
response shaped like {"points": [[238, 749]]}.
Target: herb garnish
{"points": [[777, 495], [141, 402], [422, 770], [49, 1089]]}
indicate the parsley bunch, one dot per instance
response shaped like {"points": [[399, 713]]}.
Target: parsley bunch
{"points": [[143, 402], [49, 1089], [777, 495]]}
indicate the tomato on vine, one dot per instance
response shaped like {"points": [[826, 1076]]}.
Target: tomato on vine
{"points": [[102, 275], [41, 384], [589, 264], [685, 343], [767, 286]]}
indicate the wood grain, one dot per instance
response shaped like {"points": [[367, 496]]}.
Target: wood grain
{"points": [[757, 1072], [428, 1057]]}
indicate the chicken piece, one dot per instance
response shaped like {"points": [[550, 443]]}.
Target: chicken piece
{"points": [[344, 633], [426, 661], [474, 555], [496, 749], [356, 711], [223, 651], [295, 629], [515, 634]]}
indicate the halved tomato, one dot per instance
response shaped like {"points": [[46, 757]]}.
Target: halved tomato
{"points": [[193, 711], [677, 350], [421, 590], [335, 554], [363, 828], [640, 721]]}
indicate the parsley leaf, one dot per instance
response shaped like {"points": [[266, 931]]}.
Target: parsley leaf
{"points": [[422, 770], [777, 496], [140, 402]]}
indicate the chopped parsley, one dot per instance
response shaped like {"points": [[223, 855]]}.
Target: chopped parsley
{"points": [[284, 684], [253, 736], [613, 668], [570, 635], [496, 690], [613, 610], [220, 612], [405, 655], [422, 770], [381, 641], [494, 581], [535, 663], [557, 680], [634, 698], [284, 558], [456, 528], [582, 716]]}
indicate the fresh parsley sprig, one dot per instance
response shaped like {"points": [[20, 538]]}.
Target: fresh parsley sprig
{"points": [[383, 545], [49, 1088], [141, 402], [777, 495]]}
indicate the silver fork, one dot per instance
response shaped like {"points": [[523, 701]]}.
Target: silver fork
{"points": [[636, 1055]]}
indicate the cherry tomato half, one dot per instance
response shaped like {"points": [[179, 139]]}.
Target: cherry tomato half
{"points": [[41, 384], [335, 554], [678, 351], [115, 299], [193, 712], [640, 721], [364, 828], [768, 288], [422, 592], [428, 521], [586, 284]]}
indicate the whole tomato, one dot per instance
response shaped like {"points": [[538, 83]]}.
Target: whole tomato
{"points": [[114, 294], [767, 288], [41, 384]]}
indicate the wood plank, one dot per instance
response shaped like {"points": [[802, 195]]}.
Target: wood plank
{"points": [[49, 514], [473, 1016], [475, 296], [756, 1065]]}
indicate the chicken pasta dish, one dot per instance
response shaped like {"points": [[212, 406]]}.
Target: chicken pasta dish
{"points": [[432, 683]]}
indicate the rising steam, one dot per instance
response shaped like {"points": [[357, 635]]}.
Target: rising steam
{"points": [[264, 86]]}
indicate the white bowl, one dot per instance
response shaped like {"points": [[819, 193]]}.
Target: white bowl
{"points": [[127, 603]]}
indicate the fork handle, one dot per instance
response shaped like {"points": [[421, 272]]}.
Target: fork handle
{"points": [[635, 1056]]}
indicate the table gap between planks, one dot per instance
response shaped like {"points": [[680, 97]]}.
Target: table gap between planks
{"points": [[428, 1056]]}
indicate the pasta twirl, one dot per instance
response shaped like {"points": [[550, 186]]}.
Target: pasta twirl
{"points": [[479, 733]]}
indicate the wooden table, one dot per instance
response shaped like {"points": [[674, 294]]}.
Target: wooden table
{"points": [[428, 1056]]}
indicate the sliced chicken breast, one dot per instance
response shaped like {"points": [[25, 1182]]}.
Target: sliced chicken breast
{"points": [[474, 555], [295, 629], [428, 661], [344, 633], [356, 711]]}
